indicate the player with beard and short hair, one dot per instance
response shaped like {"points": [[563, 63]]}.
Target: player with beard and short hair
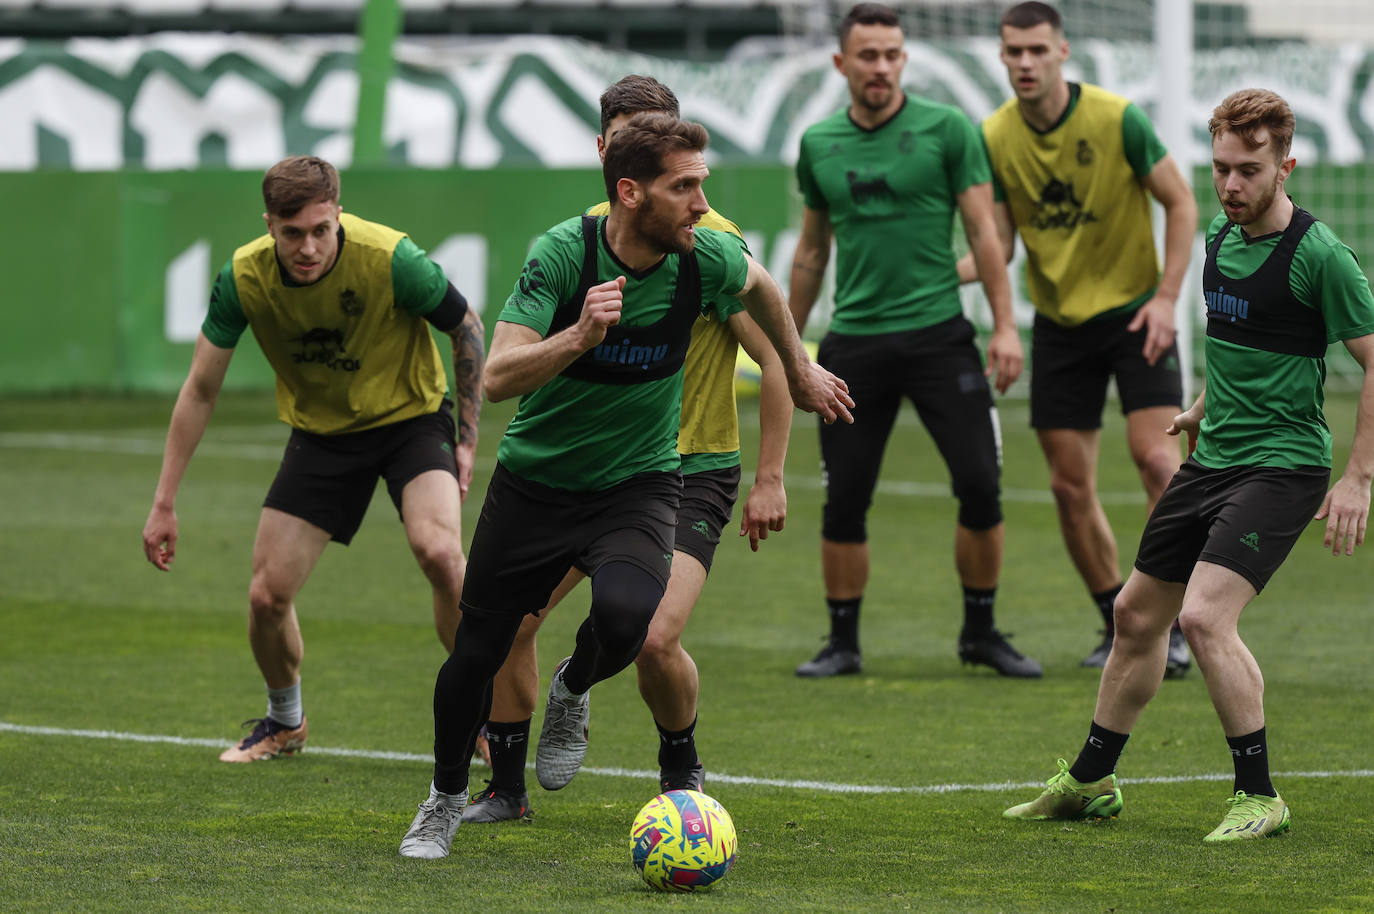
{"points": [[1073, 171], [708, 440], [884, 178], [593, 340], [1279, 287]]}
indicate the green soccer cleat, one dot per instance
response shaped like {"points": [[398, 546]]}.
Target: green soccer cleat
{"points": [[1065, 798], [1251, 817]]}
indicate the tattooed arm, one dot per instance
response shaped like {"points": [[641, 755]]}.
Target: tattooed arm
{"points": [[469, 352]]}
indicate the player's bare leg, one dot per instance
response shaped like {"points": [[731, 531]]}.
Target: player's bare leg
{"points": [[844, 567], [1072, 458], [1145, 609], [284, 553], [433, 522], [978, 560], [1215, 598], [668, 678], [1157, 458]]}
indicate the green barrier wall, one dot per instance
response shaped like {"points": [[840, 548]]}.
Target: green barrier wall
{"points": [[89, 256]]}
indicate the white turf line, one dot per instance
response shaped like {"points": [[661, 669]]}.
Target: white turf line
{"points": [[152, 447], [715, 776]]}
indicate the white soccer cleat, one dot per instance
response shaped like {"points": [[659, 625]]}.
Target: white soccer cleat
{"points": [[563, 738], [431, 832]]}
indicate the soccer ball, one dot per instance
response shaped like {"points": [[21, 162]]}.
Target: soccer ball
{"points": [[682, 841]]}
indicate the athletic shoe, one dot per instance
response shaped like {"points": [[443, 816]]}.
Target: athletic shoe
{"points": [[991, 648], [269, 739], [1098, 657], [1176, 667], [1251, 817], [693, 778], [835, 659], [431, 832], [482, 750], [563, 738], [1066, 798], [495, 805]]}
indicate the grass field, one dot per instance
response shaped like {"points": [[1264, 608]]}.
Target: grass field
{"points": [[872, 793]]}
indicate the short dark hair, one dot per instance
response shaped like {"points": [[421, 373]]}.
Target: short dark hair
{"points": [[1245, 112], [866, 14], [635, 94], [637, 151], [1029, 15], [296, 182]]}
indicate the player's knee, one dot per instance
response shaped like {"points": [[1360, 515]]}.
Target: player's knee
{"points": [[1072, 492], [843, 524], [441, 559], [1201, 629], [624, 598], [980, 508], [1156, 467], [1137, 628], [659, 646], [268, 601]]}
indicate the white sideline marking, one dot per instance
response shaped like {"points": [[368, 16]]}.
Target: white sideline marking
{"points": [[715, 777], [152, 447]]}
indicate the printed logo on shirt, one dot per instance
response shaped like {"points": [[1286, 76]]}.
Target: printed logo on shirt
{"points": [[867, 189], [1059, 207], [351, 304], [532, 277], [1224, 305], [1085, 153], [324, 346]]}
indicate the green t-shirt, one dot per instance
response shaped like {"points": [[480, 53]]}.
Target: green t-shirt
{"points": [[585, 436], [890, 193], [1265, 408], [418, 285]]}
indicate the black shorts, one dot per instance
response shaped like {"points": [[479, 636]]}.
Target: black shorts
{"points": [[708, 500], [1070, 367], [328, 480], [1243, 518], [528, 536], [939, 369]]}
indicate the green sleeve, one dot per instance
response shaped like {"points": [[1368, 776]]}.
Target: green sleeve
{"points": [[725, 305], [1218, 223], [724, 268], [418, 284], [806, 181], [549, 276], [225, 321], [966, 160], [1343, 294], [1143, 147]]}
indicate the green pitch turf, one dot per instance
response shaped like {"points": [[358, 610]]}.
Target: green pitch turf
{"points": [[877, 792]]}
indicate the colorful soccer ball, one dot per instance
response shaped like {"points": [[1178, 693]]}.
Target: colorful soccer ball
{"points": [[682, 841]]}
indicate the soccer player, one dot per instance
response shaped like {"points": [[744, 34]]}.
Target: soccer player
{"points": [[342, 309], [1073, 170], [593, 340], [1279, 287], [884, 178], [708, 440]]}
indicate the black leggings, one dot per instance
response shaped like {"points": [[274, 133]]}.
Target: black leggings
{"points": [[624, 597]]}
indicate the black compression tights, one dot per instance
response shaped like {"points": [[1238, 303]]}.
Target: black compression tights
{"points": [[624, 598]]}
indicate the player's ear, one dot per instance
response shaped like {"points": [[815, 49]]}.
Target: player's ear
{"points": [[267, 217], [838, 60], [629, 192]]}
